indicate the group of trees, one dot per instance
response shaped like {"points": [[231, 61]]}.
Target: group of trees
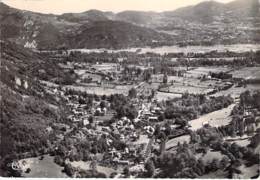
{"points": [[23, 127], [182, 164], [123, 107], [239, 126], [255, 140], [190, 106], [213, 137], [250, 99]]}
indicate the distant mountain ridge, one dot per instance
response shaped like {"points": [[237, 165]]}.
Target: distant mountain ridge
{"points": [[134, 28], [197, 12], [41, 31]]}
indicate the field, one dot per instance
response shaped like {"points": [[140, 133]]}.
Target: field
{"points": [[43, 168], [236, 91], [85, 166], [180, 89], [200, 71], [106, 67], [191, 83], [215, 119], [247, 73], [83, 74], [248, 172], [99, 90], [219, 174], [162, 96]]}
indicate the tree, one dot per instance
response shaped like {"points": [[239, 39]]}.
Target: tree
{"points": [[58, 160], [157, 130], [235, 150], [91, 119], [28, 170], [69, 170], [82, 101], [241, 128], [102, 104], [132, 93], [161, 117], [165, 79], [168, 129], [126, 172], [93, 166], [104, 97], [90, 102], [201, 165], [127, 110], [255, 140], [223, 163], [147, 76], [150, 168]]}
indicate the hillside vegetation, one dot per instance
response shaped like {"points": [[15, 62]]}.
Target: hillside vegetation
{"points": [[27, 109]]}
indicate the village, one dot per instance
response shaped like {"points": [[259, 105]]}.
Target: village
{"points": [[123, 111]]}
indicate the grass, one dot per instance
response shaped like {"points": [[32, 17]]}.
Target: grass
{"points": [[236, 91], [215, 175], [85, 166], [101, 90], [241, 141], [215, 119], [43, 168], [160, 96], [197, 72], [247, 73], [248, 172]]}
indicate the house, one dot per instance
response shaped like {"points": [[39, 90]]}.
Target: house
{"points": [[85, 122], [101, 111], [124, 162], [153, 119]]}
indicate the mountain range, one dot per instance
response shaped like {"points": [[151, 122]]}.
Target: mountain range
{"points": [[98, 29]]}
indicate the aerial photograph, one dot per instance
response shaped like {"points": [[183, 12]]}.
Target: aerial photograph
{"points": [[130, 89]]}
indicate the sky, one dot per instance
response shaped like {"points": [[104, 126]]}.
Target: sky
{"points": [[66, 6]]}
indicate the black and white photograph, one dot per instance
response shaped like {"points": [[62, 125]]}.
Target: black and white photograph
{"points": [[130, 89]]}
